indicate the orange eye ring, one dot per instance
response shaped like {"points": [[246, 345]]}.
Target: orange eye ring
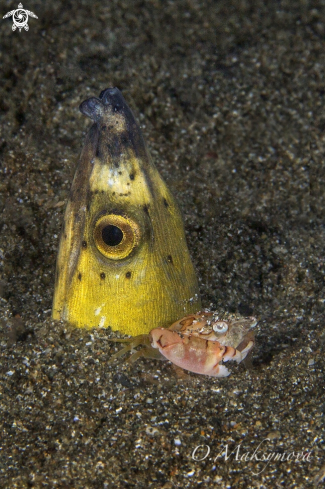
{"points": [[116, 236]]}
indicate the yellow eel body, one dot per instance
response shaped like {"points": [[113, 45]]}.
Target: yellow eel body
{"points": [[123, 260]]}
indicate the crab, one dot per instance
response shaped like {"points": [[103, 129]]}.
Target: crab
{"points": [[198, 343]]}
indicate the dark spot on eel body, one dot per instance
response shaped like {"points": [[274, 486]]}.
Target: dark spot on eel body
{"points": [[132, 176], [79, 276], [102, 276], [84, 244], [170, 259], [146, 208], [166, 203], [128, 275]]}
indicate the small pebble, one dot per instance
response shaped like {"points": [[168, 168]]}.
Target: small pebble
{"points": [[273, 435]]}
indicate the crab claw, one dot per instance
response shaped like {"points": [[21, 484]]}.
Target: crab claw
{"points": [[192, 353]]}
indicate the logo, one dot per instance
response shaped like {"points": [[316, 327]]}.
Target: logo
{"points": [[20, 18]]}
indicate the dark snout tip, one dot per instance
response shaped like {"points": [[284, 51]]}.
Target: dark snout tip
{"points": [[109, 103], [92, 108], [113, 97], [109, 93]]}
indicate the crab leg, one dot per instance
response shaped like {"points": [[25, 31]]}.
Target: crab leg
{"points": [[142, 339], [146, 352]]}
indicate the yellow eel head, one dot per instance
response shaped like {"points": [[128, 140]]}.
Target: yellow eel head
{"points": [[123, 261]]}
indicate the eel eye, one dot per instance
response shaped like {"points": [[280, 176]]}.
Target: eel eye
{"points": [[220, 327], [115, 236]]}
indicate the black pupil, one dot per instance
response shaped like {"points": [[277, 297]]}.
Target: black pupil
{"points": [[112, 235]]}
